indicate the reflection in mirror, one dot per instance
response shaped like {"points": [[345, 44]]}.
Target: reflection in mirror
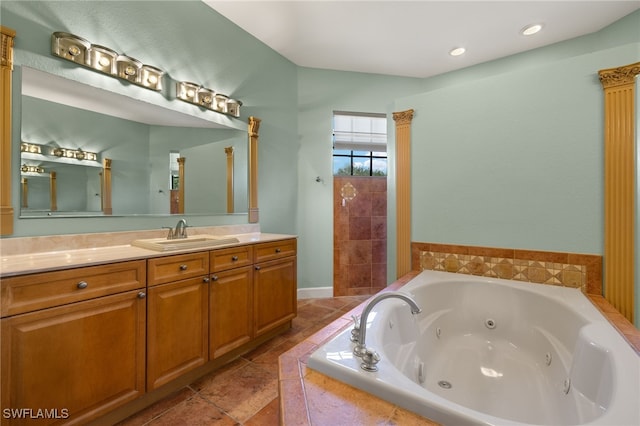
{"points": [[142, 180]]}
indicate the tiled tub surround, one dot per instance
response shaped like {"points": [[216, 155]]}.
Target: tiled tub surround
{"points": [[308, 397], [311, 398], [471, 325], [583, 271]]}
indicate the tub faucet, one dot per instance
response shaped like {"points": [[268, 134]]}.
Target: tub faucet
{"points": [[370, 357], [181, 229]]}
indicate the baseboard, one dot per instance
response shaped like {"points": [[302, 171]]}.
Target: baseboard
{"points": [[315, 292]]}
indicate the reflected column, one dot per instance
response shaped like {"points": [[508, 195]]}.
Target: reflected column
{"points": [[181, 161], [106, 190], [53, 192]]}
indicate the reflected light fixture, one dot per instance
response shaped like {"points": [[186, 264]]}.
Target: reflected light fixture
{"points": [[105, 60], [30, 148], [78, 154], [531, 29], [31, 169]]}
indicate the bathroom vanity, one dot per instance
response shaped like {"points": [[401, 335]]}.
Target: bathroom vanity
{"points": [[101, 335]]}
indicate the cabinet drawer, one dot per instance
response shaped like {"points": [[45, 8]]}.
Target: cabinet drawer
{"points": [[235, 257], [177, 267], [274, 250], [43, 290]]}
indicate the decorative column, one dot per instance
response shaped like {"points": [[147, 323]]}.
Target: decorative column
{"points": [[106, 190], [181, 185], [254, 126], [229, 151], [25, 192], [53, 192], [403, 190], [6, 68], [619, 188]]}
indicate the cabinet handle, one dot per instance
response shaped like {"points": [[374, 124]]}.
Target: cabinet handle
{"points": [[142, 295], [257, 268], [214, 277], [205, 280], [234, 258], [183, 267], [278, 250], [82, 284]]}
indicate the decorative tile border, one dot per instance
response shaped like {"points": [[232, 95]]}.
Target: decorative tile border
{"points": [[583, 271]]}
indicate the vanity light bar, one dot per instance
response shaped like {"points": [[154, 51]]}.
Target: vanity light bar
{"points": [[31, 169], [100, 58], [78, 154], [196, 94]]}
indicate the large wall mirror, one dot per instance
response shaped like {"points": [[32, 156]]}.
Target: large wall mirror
{"points": [[160, 161]]}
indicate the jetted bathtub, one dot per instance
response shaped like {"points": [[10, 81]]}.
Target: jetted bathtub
{"points": [[493, 352]]}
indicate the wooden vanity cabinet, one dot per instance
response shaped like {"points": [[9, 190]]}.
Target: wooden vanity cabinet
{"points": [[78, 360], [231, 299], [177, 317], [274, 285]]}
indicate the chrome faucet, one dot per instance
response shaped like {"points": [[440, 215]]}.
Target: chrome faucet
{"points": [[179, 232], [369, 357], [181, 229]]}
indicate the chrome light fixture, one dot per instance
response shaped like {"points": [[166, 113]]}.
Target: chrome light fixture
{"points": [[102, 59], [128, 68], [105, 60], [151, 77], [188, 91], [78, 154], [207, 98], [70, 47], [30, 148], [233, 107], [25, 168]]}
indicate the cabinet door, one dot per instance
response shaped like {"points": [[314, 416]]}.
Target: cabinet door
{"points": [[231, 313], [82, 359], [177, 329], [274, 297]]}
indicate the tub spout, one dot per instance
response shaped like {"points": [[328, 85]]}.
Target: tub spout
{"points": [[361, 348]]}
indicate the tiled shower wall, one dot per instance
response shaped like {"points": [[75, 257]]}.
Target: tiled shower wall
{"points": [[359, 236]]}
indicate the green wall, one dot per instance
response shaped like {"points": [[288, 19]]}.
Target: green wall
{"points": [[191, 42]]}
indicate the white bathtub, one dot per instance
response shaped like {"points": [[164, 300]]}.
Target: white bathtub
{"points": [[493, 352]]}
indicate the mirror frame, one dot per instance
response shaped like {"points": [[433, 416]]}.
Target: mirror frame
{"points": [[6, 178]]}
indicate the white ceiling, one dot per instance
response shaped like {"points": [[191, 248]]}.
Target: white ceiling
{"points": [[412, 38]]}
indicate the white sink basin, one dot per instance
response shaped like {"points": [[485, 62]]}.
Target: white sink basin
{"points": [[197, 241]]}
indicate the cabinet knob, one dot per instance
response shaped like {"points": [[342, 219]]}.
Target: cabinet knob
{"points": [[183, 267], [234, 258], [278, 250], [82, 284], [142, 295], [205, 280], [257, 268], [214, 277]]}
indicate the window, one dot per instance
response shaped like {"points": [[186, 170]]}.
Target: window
{"points": [[359, 144]]}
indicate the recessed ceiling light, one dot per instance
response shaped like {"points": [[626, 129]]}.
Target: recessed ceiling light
{"points": [[531, 29], [457, 51]]}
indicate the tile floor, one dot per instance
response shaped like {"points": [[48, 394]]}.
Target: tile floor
{"points": [[245, 391]]}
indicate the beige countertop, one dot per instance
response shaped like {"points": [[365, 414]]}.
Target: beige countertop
{"points": [[42, 254]]}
